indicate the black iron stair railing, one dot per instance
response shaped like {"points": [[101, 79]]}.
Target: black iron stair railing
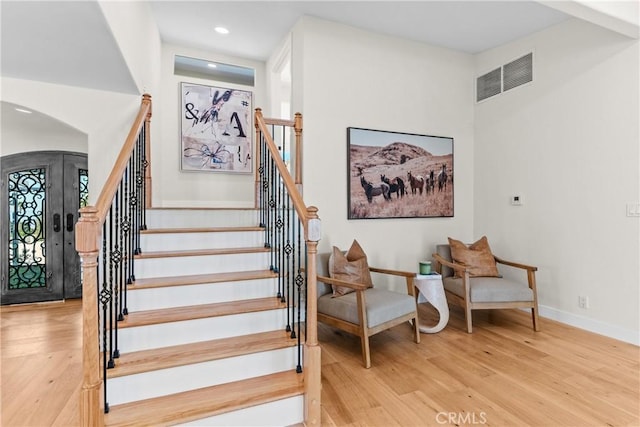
{"points": [[291, 232], [107, 238]]}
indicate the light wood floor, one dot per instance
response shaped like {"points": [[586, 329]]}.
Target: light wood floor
{"points": [[502, 374]]}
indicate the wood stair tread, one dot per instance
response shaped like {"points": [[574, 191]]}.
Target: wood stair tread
{"points": [[200, 252], [201, 311], [204, 351], [200, 230], [205, 402], [195, 279]]}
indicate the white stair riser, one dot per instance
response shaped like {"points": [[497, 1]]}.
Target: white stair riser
{"points": [[212, 240], [179, 296], [184, 332], [187, 265], [172, 218], [189, 377], [284, 412]]}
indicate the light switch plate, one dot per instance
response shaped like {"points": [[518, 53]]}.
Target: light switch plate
{"points": [[633, 209]]}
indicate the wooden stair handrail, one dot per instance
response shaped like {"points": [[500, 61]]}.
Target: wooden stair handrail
{"points": [[111, 185], [311, 223], [88, 234], [296, 198]]}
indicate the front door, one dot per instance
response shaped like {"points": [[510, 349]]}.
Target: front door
{"points": [[41, 195]]}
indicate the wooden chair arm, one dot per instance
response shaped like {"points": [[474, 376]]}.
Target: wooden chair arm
{"points": [[353, 285], [408, 276], [392, 272], [515, 264], [442, 261]]}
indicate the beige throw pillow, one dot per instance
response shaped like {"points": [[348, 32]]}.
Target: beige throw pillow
{"points": [[350, 267], [477, 257]]}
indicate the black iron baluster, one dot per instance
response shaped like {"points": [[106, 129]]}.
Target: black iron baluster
{"points": [[145, 164], [104, 297], [112, 314], [120, 249], [261, 180], [280, 236], [114, 260], [272, 215], [299, 282], [267, 199], [132, 219], [126, 228], [306, 283], [288, 248], [139, 201]]}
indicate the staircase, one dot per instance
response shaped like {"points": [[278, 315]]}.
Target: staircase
{"points": [[200, 315], [204, 338]]}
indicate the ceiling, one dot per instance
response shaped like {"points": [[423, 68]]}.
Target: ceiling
{"points": [[257, 27], [70, 42], [63, 42]]}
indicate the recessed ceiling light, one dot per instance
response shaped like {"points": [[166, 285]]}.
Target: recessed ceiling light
{"points": [[221, 30], [211, 65], [23, 110]]}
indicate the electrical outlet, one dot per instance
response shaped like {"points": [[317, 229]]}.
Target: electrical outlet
{"points": [[516, 200], [583, 301]]}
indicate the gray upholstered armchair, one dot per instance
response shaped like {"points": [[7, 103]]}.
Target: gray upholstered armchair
{"points": [[368, 310], [473, 293]]}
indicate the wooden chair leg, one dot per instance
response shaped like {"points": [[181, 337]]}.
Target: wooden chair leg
{"points": [[366, 354], [416, 329], [467, 316], [534, 317]]}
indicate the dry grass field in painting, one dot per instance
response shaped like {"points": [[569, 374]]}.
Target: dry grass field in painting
{"points": [[397, 160]]}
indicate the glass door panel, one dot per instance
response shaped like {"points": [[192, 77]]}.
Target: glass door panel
{"points": [[41, 195]]}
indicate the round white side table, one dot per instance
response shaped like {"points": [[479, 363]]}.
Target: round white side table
{"points": [[430, 290]]}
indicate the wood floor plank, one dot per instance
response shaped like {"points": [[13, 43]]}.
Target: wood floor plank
{"points": [[583, 379], [178, 314]]}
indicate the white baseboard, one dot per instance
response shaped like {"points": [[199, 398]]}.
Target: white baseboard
{"points": [[612, 331]]}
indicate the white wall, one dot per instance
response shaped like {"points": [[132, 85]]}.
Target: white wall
{"points": [[137, 35], [171, 187], [22, 133], [105, 117], [569, 145], [345, 77]]}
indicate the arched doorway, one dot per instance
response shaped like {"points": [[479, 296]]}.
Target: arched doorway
{"points": [[43, 171], [42, 192]]}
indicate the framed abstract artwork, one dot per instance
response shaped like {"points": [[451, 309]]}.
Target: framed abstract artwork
{"points": [[216, 129], [398, 175]]}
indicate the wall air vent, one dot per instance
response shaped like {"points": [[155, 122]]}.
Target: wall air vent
{"points": [[488, 84], [518, 72]]}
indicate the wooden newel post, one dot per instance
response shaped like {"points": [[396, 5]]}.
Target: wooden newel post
{"points": [[91, 392], [258, 142], [312, 361]]}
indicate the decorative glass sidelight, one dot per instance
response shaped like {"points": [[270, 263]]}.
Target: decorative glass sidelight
{"points": [[27, 192], [83, 194]]}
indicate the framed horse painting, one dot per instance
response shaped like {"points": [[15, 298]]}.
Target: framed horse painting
{"points": [[398, 175], [216, 129]]}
